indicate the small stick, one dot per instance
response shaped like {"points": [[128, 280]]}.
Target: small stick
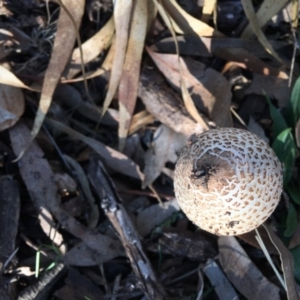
{"points": [[116, 213]]}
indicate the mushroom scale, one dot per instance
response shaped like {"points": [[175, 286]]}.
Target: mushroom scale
{"points": [[228, 181]]}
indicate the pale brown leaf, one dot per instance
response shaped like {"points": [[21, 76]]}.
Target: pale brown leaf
{"points": [[91, 49], [122, 15], [210, 91], [242, 273], [287, 264], [266, 11], [187, 23], [129, 82], [11, 105], [254, 23]]}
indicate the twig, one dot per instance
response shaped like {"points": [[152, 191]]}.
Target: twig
{"points": [[119, 218]]}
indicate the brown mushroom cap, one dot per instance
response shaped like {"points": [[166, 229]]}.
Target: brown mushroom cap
{"points": [[228, 181]]}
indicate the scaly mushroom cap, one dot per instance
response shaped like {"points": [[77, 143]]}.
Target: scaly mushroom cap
{"points": [[228, 181]]}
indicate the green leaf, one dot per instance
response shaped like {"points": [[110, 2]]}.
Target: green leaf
{"points": [[279, 123], [296, 255], [294, 193], [291, 221], [285, 148], [293, 108]]}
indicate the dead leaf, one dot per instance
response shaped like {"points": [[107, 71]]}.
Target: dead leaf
{"points": [[190, 45], [164, 104], [185, 23], [154, 215], [274, 87], [266, 11], [129, 83], [122, 15], [112, 158], [165, 148], [242, 273], [254, 23], [249, 61], [65, 36], [69, 96], [91, 49], [78, 287], [186, 244], [287, 264], [210, 91], [11, 105], [219, 281], [207, 10], [8, 78]]}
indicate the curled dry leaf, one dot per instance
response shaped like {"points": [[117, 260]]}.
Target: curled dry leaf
{"points": [[91, 49], [11, 105], [165, 148], [210, 91], [242, 273]]}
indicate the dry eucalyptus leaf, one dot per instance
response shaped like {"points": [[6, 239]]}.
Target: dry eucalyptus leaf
{"points": [[266, 11], [91, 49], [209, 89], [8, 78], [65, 36], [185, 22], [219, 281], [122, 15], [242, 272], [254, 23], [287, 264], [11, 105], [164, 104], [154, 215], [129, 83], [164, 148]]}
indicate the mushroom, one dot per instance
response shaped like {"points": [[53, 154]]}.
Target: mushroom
{"points": [[228, 181]]}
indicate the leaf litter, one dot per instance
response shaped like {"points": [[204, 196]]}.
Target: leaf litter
{"points": [[111, 95]]}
